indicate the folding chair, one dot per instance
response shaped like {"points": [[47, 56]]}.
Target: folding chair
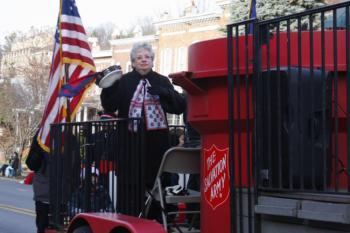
{"points": [[176, 160]]}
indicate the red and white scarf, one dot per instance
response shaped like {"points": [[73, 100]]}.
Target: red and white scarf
{"points": [[153, 112]]}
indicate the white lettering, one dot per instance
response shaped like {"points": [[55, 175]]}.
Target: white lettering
{"points": [[213, 174], [211, 160], [217, 188]]}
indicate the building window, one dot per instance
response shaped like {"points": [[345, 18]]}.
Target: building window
{"points": [[166, 61], [181, 61]]}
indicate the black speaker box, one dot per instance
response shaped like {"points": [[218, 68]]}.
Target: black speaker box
{"points": [[294, 112]]}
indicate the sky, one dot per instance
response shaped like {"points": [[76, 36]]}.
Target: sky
{"points": [[22, 14]]}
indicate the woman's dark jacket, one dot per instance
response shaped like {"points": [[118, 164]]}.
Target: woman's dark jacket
{"points": [[118, 98], [119, 95]]}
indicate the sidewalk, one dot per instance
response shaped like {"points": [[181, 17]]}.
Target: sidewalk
{"points": [[17, 178]]}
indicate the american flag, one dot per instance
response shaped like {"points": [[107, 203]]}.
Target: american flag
{"points": [[71, 55]]}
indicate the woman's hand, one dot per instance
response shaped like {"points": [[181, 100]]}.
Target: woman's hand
{"points": [[158, 90]]}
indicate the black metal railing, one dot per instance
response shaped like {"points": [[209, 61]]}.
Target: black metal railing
{"points": [[288, 97], [85, 171], [240, 69], [301, 102]]}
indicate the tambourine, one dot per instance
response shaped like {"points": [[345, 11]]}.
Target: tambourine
{"points": [[109, 76]]}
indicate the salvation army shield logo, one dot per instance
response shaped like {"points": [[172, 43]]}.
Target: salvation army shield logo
{"points": [[216, 176]]}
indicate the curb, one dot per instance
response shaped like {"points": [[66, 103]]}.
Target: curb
{"points": [[18, 179]]}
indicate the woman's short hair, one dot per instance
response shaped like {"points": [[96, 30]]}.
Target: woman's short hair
{"points": [[141, 45]]}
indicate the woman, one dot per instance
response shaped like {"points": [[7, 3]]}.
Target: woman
{"points": [[147, 94]]}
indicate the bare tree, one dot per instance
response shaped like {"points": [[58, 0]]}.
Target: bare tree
{"points": [[146, 24], [35, 73], [6, 139], [104, 34], [274, 8], [31, 98], [6, 135], [23, 91]]}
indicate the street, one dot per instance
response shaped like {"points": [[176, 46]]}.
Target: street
{"points": [[17, 213]]}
